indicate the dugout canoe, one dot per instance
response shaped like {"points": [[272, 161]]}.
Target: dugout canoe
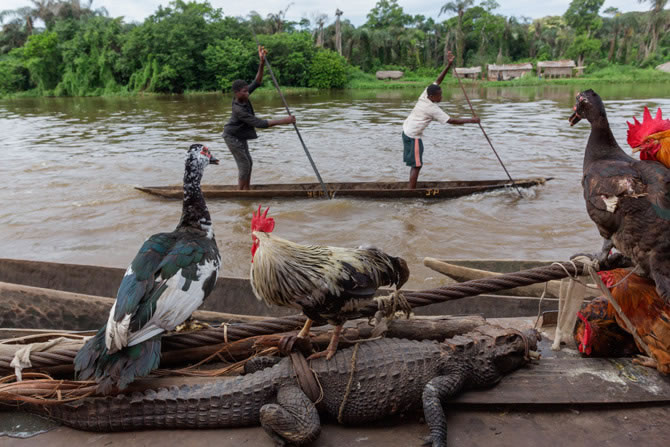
{"points": [[52, 295], [363, 190]]}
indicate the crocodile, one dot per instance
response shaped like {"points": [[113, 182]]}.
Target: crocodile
{"points": [[390, 376]]}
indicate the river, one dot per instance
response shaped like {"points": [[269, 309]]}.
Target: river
{"points": [[69, 166]]}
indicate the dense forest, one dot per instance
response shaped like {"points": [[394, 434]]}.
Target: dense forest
{"points": [[64, 47]]}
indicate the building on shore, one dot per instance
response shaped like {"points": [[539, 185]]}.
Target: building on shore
{"points": [[505, 72], [556, 69], [469, 72]]}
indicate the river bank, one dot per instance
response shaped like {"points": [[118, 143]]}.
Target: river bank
{"points": [[359, 80]]}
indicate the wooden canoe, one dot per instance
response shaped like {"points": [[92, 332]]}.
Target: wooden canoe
{"points": [[364, 190], [35, 294]]}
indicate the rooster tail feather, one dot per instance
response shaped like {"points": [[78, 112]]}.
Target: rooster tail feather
{"points": [[119, 369], [401, 271]]}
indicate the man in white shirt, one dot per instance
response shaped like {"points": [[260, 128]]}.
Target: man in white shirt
{"points": [[425, 111]]}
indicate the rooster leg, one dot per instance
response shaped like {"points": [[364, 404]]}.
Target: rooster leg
{"points": [[304, 332], [332, 346]]}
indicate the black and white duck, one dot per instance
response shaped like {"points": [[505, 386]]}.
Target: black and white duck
{"points": [[168, 280]]}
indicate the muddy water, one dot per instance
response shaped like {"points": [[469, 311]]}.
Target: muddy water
{"points": [[69, 165]]}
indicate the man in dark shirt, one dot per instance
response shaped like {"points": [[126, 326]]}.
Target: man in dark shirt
{"points": [[242, 123]]}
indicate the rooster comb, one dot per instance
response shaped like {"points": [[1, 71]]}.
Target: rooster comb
{"points": [[638, 131], [260, 222]]}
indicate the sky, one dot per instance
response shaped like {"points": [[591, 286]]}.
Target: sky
{"points": [[354, 10]]}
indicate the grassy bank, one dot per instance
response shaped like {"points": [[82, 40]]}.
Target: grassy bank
{"points": [[610, 75], [359, 80]]}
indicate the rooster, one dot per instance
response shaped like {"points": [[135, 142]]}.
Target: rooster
{"points": [[327, 283], [647, 312], [627, 199], [651, 137], [597, 333]]}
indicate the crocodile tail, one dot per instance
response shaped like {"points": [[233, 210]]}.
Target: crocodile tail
{"points": [[119, 369]]}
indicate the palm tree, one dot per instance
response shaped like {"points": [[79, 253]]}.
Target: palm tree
{"points": [[654, 23], [338, 31], [320, 20], [615, 13], [459, 8]]}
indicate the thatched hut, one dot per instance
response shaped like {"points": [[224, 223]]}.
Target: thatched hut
{"points": [[556, 69], [506, 72]]}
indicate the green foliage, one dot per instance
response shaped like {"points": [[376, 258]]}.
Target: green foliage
{"points": [[172, 41], [387, 13], [90, 57], [227, 60], [583, 46], [14, 76], [582, 15], [328, 70], [189, 46], [42, 58], [290, 55]]}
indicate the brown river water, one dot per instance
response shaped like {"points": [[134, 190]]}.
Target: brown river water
{"points": [[69, 166]]}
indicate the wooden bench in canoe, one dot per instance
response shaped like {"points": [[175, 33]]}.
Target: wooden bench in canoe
{"points": [[364, 190]]}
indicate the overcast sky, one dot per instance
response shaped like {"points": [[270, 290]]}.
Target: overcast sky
{"points": [[354, 10]]}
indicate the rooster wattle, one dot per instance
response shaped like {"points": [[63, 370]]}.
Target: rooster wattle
{"points": [[329, 284]]}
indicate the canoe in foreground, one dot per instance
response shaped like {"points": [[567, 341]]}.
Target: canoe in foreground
{"points": [[373, 190], [68, 294]]}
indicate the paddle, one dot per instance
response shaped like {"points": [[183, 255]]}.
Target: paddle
{"points": [[309, 157], [484, 132]]}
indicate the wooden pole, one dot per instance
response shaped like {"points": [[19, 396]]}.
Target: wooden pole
{"points": [[485, 135], [309, 157]]}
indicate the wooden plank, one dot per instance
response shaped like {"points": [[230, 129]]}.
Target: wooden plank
{"points": [[554, 381]]}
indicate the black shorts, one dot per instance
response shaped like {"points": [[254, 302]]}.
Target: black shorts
{"points": [[412, 151], [240, 150]]}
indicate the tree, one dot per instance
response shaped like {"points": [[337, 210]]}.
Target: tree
{"points": [[615, 13], [582, 16], [338, 31], [654, 23], [277, 20], [459, 8], [387, 14], [320, 20]]}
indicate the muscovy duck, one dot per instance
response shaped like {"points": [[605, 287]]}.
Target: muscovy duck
{"points": [[627, 199], [166, 282]]}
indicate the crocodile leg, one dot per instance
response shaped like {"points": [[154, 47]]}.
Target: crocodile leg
{"points": [[293, 419], [435, 394]]}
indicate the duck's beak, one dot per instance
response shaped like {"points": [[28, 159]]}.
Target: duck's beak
{"points": [[574, 118], [213, 160]]}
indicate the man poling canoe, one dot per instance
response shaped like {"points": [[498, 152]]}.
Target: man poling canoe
{"points": [[243, 121], [425, 111]]}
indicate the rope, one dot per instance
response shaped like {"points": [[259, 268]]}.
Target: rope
{"points": [[236, 331], [305, 377], [351, 380]]}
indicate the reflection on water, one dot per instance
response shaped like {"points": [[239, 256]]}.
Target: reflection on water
{"points": [[70, 164]]}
